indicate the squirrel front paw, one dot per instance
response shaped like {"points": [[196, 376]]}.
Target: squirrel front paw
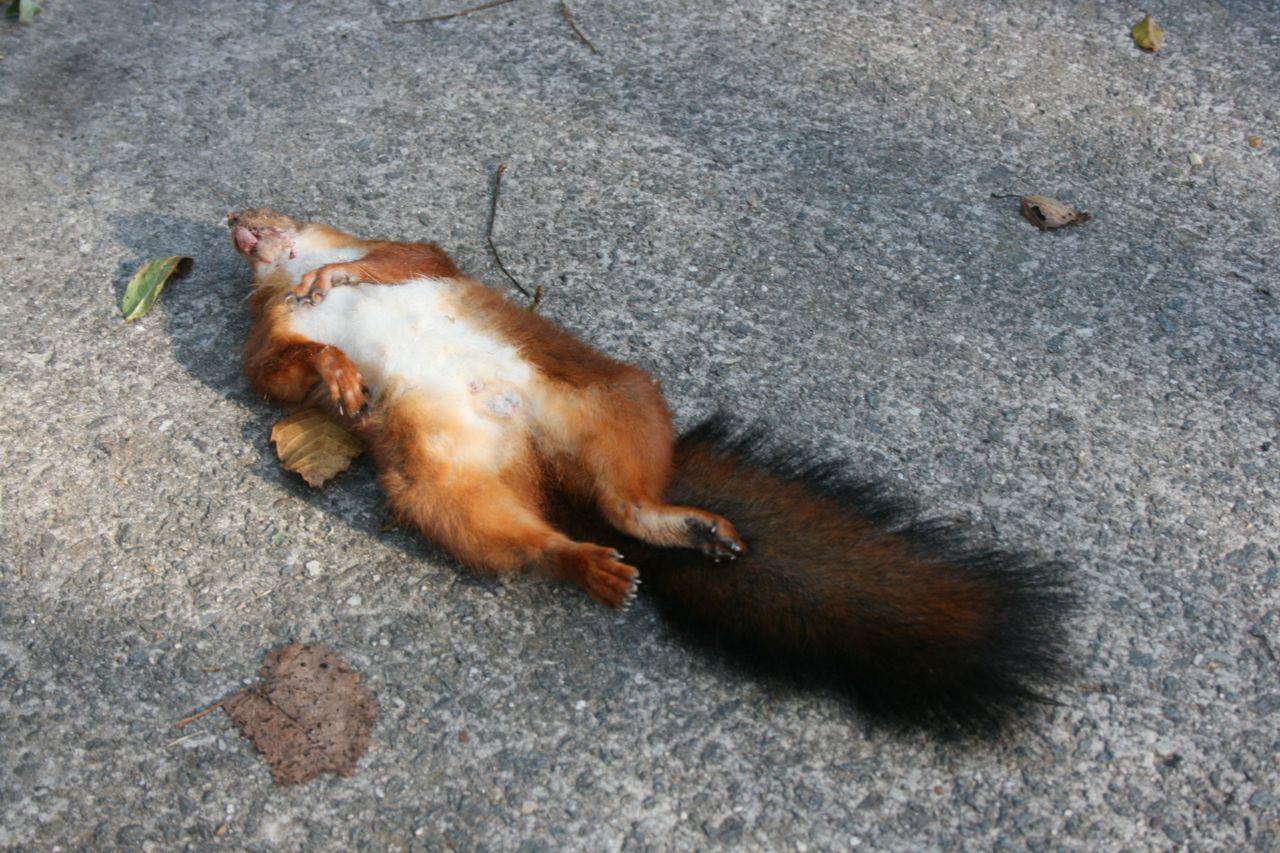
{"points": [[346, 386], [317, 283]]}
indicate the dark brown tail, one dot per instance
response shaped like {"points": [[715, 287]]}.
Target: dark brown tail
{"points": [[843, 585]]}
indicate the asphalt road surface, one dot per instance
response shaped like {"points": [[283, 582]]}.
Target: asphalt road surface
{"points": [[783, 209]]}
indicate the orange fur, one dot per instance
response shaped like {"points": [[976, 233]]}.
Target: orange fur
{"points": [[602, 430]]}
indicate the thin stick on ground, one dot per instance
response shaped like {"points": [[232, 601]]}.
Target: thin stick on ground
{"points": [[198, 714], [456, 14], [536, 296], [568, 19]]}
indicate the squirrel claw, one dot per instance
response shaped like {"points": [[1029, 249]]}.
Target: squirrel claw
{"points": [[315, 285], [718, 539], [346, 385]]}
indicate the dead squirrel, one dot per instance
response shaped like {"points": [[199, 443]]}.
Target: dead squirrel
{"points": [[488, 422]]}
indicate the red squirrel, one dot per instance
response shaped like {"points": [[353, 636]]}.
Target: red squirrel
{"points": [[514, 445]]}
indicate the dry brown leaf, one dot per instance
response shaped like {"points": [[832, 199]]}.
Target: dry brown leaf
{"points": [[1047, 213], [309, 714], [314, 445]]}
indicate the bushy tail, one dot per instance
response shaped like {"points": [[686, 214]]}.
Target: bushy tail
{"points": [[842, 584]]}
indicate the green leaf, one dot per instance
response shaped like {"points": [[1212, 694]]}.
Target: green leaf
{"points": [[145, 287], [23, 10]]}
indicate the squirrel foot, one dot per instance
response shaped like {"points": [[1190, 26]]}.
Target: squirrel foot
{"points": [[715, 536], [317, 283], [601, 572], [342, 378]]}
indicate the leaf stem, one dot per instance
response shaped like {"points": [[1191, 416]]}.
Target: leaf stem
{"points": [[456, 14]]}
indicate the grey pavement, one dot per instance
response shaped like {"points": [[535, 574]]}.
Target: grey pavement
{"points": [[780, 208]]}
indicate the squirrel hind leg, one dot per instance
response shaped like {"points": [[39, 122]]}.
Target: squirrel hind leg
{"points": [[488, 522], [676, 526]]}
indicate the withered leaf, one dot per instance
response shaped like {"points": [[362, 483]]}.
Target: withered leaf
{"points": [[1047, 213], [309, 714], [314, 445], [1147, 34]]}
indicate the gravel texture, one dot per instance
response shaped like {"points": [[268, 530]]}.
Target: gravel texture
{"points": [[781, 208]]}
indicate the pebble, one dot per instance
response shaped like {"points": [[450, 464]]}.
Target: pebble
{"points": [[313, 568]]}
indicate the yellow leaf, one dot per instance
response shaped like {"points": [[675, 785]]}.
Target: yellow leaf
{"points": [[145, 286], [314, 445], [1147, 34]]}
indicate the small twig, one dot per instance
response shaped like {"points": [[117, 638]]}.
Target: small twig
{"points": [[244, 604], [198, 714], [536, 296], [1266, 643], [1005, 195], [456, 14], [181, 739], [488, 231], [568, 19]]}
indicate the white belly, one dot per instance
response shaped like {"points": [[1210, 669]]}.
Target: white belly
{"points": [[405, 341]]}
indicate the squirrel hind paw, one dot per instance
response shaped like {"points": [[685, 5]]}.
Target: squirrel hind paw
{"points": [[601, 572], [715, 536]]}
